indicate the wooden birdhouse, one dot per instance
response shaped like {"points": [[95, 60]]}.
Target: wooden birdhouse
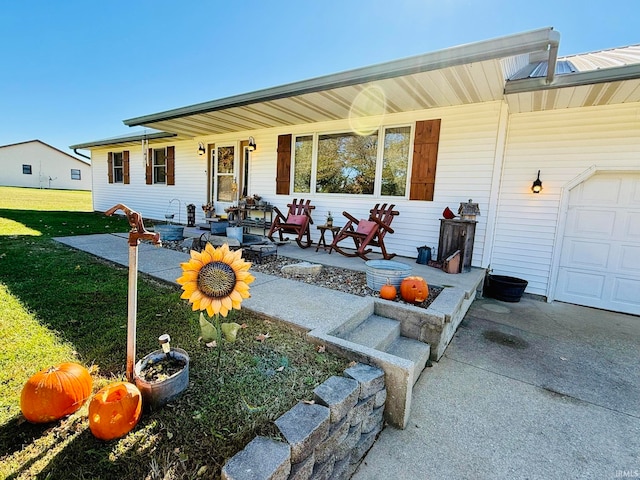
{"points": [[468, 211]]}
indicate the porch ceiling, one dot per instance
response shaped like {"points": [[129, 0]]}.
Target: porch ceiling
{"points": [[457, 85]]}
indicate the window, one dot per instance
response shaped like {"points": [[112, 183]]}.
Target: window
{"points": [[347, 163], [26, 169], [118, 167], [159, 165], [75, 174], [395, 161], [302, 165]]}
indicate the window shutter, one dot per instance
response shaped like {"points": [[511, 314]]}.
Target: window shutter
{"points": [[125, 166], [149, 167], [171, 165], [425, 158], [110, 166], [283, 168]]}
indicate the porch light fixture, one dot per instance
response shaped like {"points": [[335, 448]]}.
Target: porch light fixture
{"points": [[201, 149], [537, 184], [252, 144]]}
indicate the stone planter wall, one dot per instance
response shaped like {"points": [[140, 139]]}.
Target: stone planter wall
{"points": [[324, 440]]}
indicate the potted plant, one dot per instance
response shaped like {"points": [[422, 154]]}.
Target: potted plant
{"points": [[208, 209], [163, 374]]}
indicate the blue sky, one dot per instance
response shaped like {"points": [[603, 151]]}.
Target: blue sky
{"points": [[72, 70]]}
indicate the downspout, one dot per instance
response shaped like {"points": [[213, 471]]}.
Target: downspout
{"points": [[554, 42], [75, 150]]}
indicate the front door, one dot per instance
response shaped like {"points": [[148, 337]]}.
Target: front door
{"points": [[224, 177]]}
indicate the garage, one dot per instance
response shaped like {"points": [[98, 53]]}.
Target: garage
{"points": [[600, 256]]}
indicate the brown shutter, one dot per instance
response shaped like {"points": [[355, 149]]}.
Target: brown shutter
{"points": [[149, 168], [425, 158], [110, 166], [283, 167], [125, 166], [171, 165]]}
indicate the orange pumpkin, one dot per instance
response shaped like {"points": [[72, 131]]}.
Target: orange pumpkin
{"points": [[55, 392], [114, 410], [388, 291], [414, 290]]}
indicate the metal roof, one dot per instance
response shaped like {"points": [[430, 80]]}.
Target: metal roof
{"points": [[588, 79]]}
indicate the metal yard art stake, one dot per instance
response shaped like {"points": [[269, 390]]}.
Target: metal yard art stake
{"points": [[137, 233]]}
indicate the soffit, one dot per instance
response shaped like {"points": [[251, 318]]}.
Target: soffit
{"points": [[456, 85]]}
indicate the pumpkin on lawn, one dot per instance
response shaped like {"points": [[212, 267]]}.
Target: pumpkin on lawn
{"points": [[414, 289], [388, 291], [55, 392], [115, 410]]}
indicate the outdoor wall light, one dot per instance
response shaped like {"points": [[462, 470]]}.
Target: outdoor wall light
{"points": [[252, 144], [201, 149], [537, 184]]}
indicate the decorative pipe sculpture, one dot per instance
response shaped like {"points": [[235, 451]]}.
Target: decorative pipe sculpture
{"points": [[137, 233]]}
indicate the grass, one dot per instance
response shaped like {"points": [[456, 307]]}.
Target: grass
{"points": [[58, 304]]}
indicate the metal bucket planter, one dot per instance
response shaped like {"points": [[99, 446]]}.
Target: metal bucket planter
{"points": [[236, 233], [507, 289], [170, 233], [378, 271], [158, 394]]}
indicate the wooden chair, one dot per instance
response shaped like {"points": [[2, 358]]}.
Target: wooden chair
{"points": [[367, 233], [296, 222]]}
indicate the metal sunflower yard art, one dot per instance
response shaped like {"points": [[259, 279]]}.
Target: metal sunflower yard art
{"points": [[216, 280]]}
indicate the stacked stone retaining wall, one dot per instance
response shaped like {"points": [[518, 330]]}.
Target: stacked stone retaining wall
{"points": [[326, 439]]}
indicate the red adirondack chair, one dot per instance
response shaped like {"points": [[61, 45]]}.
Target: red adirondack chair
{"points": [[367, 233], [296, 222]]}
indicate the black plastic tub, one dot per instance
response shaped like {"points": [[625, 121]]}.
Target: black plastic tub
{"points": [[507, 289]]}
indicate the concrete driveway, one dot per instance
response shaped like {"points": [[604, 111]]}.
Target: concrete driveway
{"points": [[525, 390]]}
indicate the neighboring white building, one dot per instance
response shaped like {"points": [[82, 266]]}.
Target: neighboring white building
{"points": [[35, 164], [476, 121]]}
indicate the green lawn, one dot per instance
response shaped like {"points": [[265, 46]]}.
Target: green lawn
{"points": [[58, 304]]}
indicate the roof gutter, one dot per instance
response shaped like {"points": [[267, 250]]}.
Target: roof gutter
{"points": [[518, 44], [75, 150], [554, 43]]}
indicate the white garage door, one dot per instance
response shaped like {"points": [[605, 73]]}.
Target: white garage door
{"points": [[600, 257]]}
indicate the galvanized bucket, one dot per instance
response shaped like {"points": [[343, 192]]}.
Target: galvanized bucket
{"points": [[158, 394], [378, 271]]}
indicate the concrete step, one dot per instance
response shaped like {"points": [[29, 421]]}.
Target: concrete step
{"points": [[413, 350], [374, 332]]}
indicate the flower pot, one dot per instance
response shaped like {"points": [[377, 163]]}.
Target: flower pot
{"points": [[156, 394], [507, 289]]}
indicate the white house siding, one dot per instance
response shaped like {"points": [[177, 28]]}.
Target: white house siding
{"points": [[153, 201], [563, 145], [465, 167], [50, 167], [464, 171]]}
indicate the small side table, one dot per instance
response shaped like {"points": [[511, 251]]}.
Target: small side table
{"points": [[322, 243]]}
